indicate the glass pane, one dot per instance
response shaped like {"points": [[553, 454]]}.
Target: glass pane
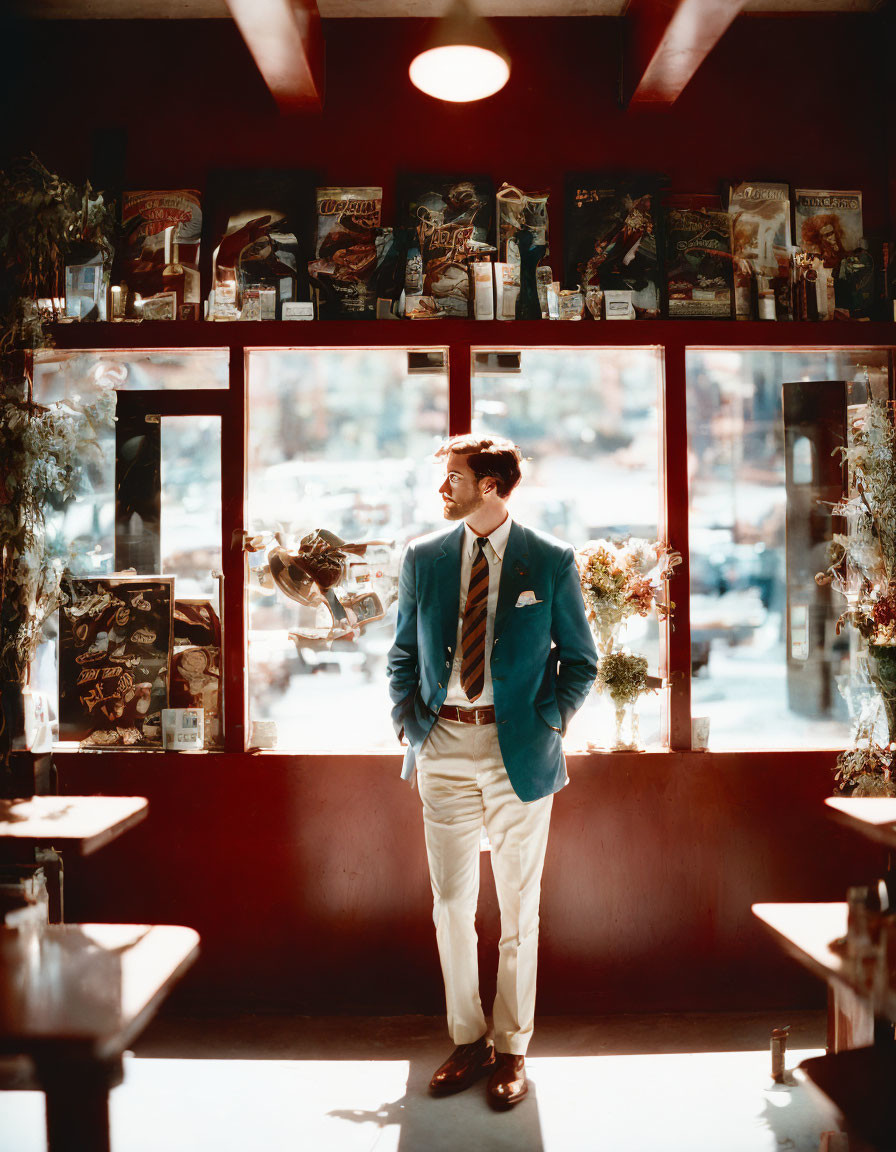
{"points": [[588, 422], [58, 374], [766, 662], [191, 503], [342, 441], [189, 534]]}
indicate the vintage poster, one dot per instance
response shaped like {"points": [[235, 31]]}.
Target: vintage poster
{"points": [[162, 231], [698, 258], [612, 239], [452, 222], [759, 219], [827, 224], [349, 243], [114, 652], [257, 224]]}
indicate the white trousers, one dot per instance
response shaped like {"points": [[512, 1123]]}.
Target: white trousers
{"points": [[463, 783]]}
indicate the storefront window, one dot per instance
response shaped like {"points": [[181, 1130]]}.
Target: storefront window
{"points": [[341, 441], [766, 662], [588, 423]]}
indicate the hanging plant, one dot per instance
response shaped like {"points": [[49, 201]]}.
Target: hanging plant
{"points": [[46, 450]]}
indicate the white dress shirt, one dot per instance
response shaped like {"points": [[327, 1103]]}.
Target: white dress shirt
{"points": [[494, 553]]}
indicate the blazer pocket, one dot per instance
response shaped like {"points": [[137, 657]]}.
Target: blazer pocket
{"points": [[530, 611], [550, 713]]}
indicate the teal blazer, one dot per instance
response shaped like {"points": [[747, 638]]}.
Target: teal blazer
{"points": [[543, 660]]}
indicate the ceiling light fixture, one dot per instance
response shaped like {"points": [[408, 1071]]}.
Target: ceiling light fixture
{"points": [[463, 59]]}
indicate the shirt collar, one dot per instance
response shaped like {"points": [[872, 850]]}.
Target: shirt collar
{"points": [[497, 539]]}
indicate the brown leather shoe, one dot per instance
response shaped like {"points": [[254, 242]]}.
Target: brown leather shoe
{"points": [[463, 1067], [507, 1085]]}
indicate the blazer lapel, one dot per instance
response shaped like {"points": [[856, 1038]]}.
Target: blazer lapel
{"points": [[514, 575], [447, 571]]}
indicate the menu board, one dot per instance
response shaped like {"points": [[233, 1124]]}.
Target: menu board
{"points": [[115, 638]]}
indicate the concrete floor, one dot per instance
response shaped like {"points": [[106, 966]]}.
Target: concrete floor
{"points": [[696, 1083]]}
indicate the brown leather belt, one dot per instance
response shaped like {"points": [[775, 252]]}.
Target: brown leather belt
{"points": [[468, 715]]}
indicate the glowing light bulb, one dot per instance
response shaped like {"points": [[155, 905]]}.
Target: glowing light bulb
{"points": [[459, 72]]}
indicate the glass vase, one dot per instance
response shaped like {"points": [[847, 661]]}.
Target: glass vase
{"points": [[627, 737]]}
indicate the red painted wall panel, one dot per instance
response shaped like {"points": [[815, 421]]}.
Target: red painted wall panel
{"points": [[307, 877]]}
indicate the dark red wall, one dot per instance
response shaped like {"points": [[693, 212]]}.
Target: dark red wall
{"points": [[307, 879], [191, 99], [306, 876]]}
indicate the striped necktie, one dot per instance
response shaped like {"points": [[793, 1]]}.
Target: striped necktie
{"points": [[472, 633]]}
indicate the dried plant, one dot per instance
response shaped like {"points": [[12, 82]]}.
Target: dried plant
{"points": [[862, 567], [866, 768], [623, 675]]}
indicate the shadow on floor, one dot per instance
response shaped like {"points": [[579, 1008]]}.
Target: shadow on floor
{"points": [[447, 1124]]}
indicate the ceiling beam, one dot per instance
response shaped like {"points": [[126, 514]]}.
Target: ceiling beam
{"points": [[666, 41], [287, 44]]}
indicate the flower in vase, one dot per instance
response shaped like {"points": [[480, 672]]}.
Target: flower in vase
{"points": [[621, 579]]}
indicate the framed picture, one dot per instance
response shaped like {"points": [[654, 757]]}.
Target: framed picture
{"points": [[115, 640]]}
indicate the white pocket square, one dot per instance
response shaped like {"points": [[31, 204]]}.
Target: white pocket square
{"points": [[525, 599]]}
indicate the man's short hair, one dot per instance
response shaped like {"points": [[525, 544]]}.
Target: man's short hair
{"points": [[489, 456]]}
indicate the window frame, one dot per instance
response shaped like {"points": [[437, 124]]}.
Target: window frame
{"points": [[460, 339]]}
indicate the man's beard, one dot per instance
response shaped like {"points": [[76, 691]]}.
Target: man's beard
{"points": [[459, 510]]}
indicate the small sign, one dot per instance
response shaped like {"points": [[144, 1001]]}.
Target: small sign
{"points": [[297, 310], [182, 729]]}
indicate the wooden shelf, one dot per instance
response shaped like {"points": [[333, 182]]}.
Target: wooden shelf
{"points": [[874, 817], [805, 931], [673, 334]]}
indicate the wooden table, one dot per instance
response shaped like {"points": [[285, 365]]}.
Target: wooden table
{"points": [[36, 830], [872, 816], [859, 1071], [805, 931], [82, 823], [73, 997]]}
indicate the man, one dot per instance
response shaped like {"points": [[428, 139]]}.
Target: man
{"points": [[492, 656]]}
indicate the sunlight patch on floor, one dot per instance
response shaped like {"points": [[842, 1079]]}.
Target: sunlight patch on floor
{"points": [[691, 1102]]}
